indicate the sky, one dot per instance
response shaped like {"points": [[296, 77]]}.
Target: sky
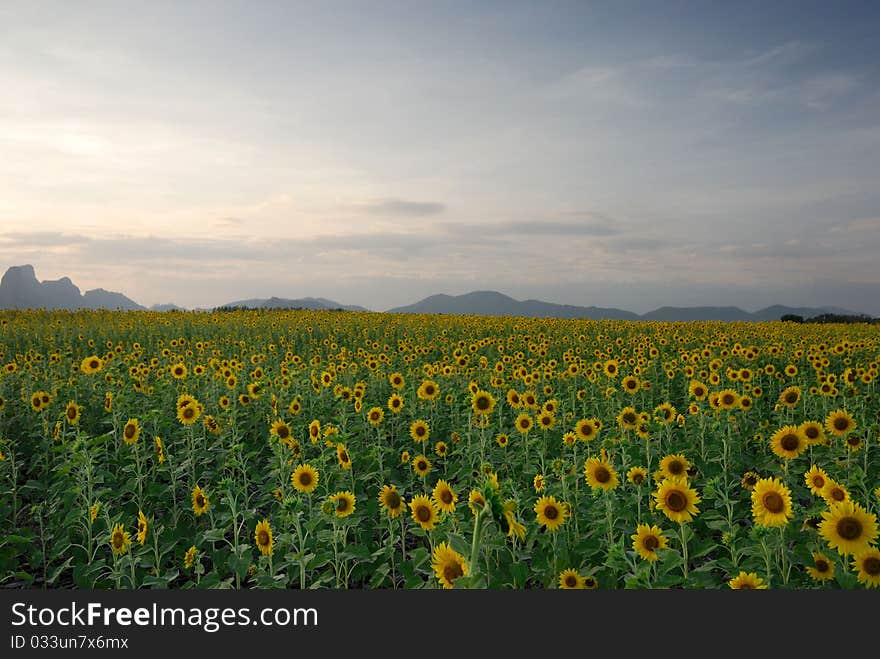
{"points": [[617, 153]]}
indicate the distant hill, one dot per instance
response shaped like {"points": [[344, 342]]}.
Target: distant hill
{"points": [[20, 289], [312, 303], [492, 303]]}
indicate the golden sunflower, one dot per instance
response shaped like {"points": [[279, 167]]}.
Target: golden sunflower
{"points": [[304, 478], [444, 496], [749, 480], [771, 503], [482, 402], [424, 512], [834, 492], [263, 538], [421, 465], [788, 442], [131, 431], [448, 565], [280, 430], [747, 581], [428, 390], [391, 501], [600, 474], [822, 568], [586, 430], [120, 540], [677, 500], [343, 503], [524, 423], [142, 527], [867, 563], [571, 580], [673, 466], [637, 475], [551, 513], [848, 528], [91, 364], [178, 371], [839, 422], [476, 501], [375, 416], [200, 501], [419, 431], [628, 419], [816, 479], [647, 540], [502, 439], [395, 403], [72, 413], [790, 396]]}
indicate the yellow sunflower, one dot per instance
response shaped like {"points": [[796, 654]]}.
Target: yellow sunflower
{"points": [[571, 580], [448, 565], [444, 496], [375, 416], [263, 538], [304, 478], [428, 390], [674, 466], [637, 475], [813, 432], [342, 456], [822, 568], [343, 503], [677, 500], [482, 402], [816, 479], [848, 528], [647, 540], [771, 503], [200, 501], [788, 442], [419, 431], [524, 423], [421, 465], [600, 474], [551, 513], [867, 563], [839, 422], [120, 540], [131, 431], [142, 527], [747, 581], [391, 501], [424, 512]]}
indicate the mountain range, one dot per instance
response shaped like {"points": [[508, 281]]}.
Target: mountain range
{"points": [[20, 289]]}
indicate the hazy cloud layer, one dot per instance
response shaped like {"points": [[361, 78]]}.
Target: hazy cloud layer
{"points": [[591, 154]]}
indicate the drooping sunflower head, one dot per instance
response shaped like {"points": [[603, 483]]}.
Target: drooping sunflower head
{"points": [[476, 501], [142, 527], [304, 478]]}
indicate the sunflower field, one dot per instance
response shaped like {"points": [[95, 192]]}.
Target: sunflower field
{"points": [[300, 449]]}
